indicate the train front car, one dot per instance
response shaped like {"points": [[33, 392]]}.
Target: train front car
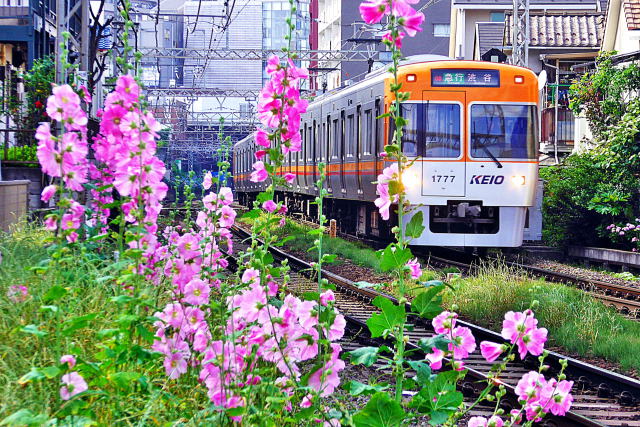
{"points": [[473, 131]]}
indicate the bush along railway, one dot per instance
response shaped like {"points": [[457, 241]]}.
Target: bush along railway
{"points": [[601, 397]]}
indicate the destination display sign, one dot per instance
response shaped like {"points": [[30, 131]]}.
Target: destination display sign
{"points": [[465, 78]]}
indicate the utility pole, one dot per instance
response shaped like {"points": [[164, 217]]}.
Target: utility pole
{"points": [[520, 33], [60, 28]]}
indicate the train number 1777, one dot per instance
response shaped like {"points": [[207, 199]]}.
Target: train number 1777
{"points": [[443, 178]]}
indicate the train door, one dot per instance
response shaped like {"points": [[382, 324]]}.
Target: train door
{"points": [[313, 153], [441, 118], [342, 145]]}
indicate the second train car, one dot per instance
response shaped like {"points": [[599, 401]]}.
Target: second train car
{"points": [[473, 130]]}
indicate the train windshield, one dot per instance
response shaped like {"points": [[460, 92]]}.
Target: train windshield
{"points": [[504, 131], [433, 130]]}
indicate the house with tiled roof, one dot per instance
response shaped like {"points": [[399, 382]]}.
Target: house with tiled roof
{"points": [[622, 32]]}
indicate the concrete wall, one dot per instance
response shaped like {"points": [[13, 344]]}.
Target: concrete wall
{"points": [[626, 40]]}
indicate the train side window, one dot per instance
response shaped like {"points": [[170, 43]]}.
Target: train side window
{"points": [[350, 140], [312, 155], [334, 145], [368, 137], [328, 136], [377, 129], [412, 133]]}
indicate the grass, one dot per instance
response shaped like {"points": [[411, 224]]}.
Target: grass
{"points": [[358, 253], [576, 321], [89, 291]]}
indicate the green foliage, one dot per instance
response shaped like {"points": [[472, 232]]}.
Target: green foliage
{"points": [[380, 411], [391, 317]]}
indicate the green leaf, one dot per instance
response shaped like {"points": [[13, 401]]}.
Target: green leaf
{"points": [[392, 315], [75, 421], [441, 342], [393, 257], [54, 293], [33, 329], [78, 322], [423, 371], [439, 398], [51, 371], [33, 375], [428, 303], [380, 411], [252, 214], [366, 356], [49, 308], [24, 417], [123, 380], [414, 227], [356, 388]]}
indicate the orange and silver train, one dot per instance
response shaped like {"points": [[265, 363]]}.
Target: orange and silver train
{"points": [[473, 130]]}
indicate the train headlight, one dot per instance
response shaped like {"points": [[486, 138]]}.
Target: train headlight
{"points": [[410, 179], [518, 180]]}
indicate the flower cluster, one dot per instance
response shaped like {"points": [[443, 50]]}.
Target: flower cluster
{"points": [[126, 147], [255, 332], [280, 107], [65, 157], [521, 329], [542, 396], [628, 231], [72, 383], [461, 341], [18, 293], [408, 19], [385, 198]]}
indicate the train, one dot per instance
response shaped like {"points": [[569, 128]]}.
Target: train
{"points": [[472, 131]]}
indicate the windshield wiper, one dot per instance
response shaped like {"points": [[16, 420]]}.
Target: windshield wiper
{"points": [[485, 149]]}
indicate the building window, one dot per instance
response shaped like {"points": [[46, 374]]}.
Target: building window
{"points": [[441, 30], [496, 16]]}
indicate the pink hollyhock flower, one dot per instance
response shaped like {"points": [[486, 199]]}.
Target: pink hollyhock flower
{"points": [[532, 342], [435, 358], [327, 296], [516, 324], [462, 343], [273, 64], [86, 96], [383, 203], [18, 293], [227, 216], [48, 192], [477, 422], [196, 292], [289, 177], [372, 11], [68, 359], [63, 100], [336, 331], [262, 138], [175, 365], [414, 267], [408, 18], [251, 275], [50, 223], [225, 196], [529, 386], [72, 237], [188, 246], [490, 350], [73, 384], [259, 155], [206, 182], [128, 89], [495, 421], [397, 41], [269, 206], [444, 322], [555, 397], [326, 379], [260, 173]]}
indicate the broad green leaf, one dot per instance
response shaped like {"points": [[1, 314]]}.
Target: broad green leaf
{"points": [[24, 417], [33, 330], [75, 421], [78, 322], [393, 257], [33, 375], [54, 293], [414, 227], [366, 356], [357, 388], [441, 342], [49, 308], [423, 371], [428, 303], [123, 380], [392, 315], [380, 411], [51, 371], [252, 214]]}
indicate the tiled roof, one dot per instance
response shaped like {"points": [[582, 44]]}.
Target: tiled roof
{"points": [[562, 30], [490, 35], [632, 13]]}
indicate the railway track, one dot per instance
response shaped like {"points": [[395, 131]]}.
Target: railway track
{"points": [[600, 397]]}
